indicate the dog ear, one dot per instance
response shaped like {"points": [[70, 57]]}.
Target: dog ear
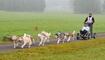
{"points": [[25, 34]]}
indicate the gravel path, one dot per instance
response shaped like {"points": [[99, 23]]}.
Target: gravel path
{"points": [[8, 47]]}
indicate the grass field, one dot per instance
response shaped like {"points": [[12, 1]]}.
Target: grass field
{"points": [[26, 22], [22, 22], [81, 50]]}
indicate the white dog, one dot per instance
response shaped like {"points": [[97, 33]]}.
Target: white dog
{"points": [[44, 36], [26, 39]]}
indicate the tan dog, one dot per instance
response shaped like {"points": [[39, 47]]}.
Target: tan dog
{"points": [[26, 39], [44, 36], [70, 36]]}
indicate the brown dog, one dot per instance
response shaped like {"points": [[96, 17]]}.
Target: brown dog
{"points": [[70, 36]]}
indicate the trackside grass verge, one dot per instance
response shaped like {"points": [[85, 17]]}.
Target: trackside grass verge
{"points": [[82, 50]]}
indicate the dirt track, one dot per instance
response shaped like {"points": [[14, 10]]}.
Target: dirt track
{"points": [[8, 47]]}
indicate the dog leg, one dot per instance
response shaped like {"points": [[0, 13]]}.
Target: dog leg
{"points": [[41, 42], [69, 38], [14, 44], [48, 40], [30, 43], [45, 39], [23, 45], [58, 40], [73, 38], [65, 37]]}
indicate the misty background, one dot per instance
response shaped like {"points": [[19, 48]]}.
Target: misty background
{"points": [[75, 6]]}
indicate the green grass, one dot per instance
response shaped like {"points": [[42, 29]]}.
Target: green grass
{"points": [[81, 50], [25, 22], [22, 22]]}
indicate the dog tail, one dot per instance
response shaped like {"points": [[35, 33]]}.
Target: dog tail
{"points": [[73, 32]]}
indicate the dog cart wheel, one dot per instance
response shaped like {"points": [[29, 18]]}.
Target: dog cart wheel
{"points": [[94, 35], [78, 36]]}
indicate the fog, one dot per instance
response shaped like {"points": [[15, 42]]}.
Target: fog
{"points": [[75, 6], [59, 5]]}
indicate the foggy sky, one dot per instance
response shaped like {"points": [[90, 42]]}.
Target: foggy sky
{"points": [[50, 5], [65, 5], [62, 5]]}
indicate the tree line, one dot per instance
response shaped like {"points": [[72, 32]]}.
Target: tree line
{"points": [[79, 6], [22, 5], [86, 6]]}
